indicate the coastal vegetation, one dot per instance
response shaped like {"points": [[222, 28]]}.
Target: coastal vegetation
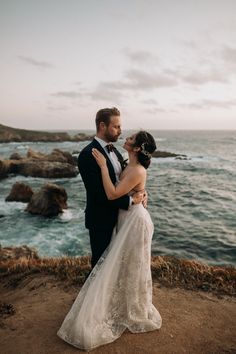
{"points": [[17, 263]]}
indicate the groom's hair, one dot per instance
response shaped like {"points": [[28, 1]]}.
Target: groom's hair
{"points": [[104, 115]]}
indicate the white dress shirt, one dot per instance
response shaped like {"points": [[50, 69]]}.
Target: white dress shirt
{"points": [[113, 158]]}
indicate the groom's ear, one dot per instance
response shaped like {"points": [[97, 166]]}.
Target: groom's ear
{"points": [[137, 148], [102, 126]]}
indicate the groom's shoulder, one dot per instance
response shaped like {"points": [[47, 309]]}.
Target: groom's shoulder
{"points": [[87, 150], [88, 147]]}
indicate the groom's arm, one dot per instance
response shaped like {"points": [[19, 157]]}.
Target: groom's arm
{"points": [[91, 176]]}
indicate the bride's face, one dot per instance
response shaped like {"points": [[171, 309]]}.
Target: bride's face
{"points": [[129, 143]]}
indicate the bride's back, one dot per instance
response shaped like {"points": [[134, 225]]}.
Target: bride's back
{"points": [[133, 170]]}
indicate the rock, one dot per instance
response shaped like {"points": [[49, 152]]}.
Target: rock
{"points": [[82, 137], [36, 155], [4, 169], [20, 192], [17, 252], [57, 164], [60, 156], [46, 169], [182, 157], [56, 156], [37, 168], [15, 156], [163, 154], [50, 200], [6, 309]]}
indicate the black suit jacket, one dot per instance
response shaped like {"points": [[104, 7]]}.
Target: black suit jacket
{"points": [[100, 213]]}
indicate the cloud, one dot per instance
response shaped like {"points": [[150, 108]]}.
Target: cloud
{"points": [[54, 108], [31, 61], [107, 91], [155, 110], [150, 101], [140, 56], [190, 44], [208, 104], [229, 54], [68, 94], [204, 77], [134, 80], [141, 80]]}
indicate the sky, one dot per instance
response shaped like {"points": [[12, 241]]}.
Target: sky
{"points": [[165, 64]]}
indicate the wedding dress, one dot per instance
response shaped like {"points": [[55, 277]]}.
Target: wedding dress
{"points": [[117, 295]]}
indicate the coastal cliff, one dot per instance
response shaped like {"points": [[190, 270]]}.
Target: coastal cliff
{"points": [[9, 134], [196, 302]]}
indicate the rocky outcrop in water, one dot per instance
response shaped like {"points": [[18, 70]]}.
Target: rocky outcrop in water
{"points": [[57, 164], [20, 192], [56, 155], [50, 200], [8, 134], [4, 169], [162, 154]]}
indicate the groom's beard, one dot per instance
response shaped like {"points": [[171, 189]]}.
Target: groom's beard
{"points": [[111, 138]]}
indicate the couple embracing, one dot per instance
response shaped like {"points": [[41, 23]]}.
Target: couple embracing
{"points": [[117, 294]]}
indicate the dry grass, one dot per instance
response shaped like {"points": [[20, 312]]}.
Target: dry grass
{"points": [[194, 275], [167, 270], [73, 269]]}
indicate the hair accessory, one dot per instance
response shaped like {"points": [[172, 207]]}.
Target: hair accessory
{"points": [[145, 152]]}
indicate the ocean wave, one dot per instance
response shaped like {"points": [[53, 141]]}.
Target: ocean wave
{"points": [[187, 199], [10, 208]]}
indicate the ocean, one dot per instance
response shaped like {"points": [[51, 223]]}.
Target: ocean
{"points": [[192, 202]]}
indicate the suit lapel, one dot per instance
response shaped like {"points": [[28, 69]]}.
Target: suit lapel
{"points": [[120, 158]]}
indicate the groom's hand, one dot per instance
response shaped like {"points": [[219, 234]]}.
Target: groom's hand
{"points": [[145, 199], [138, 197]]}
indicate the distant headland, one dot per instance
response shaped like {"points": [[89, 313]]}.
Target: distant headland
{"points": [[9, 134]]}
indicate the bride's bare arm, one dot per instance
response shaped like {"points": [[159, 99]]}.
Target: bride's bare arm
{"points": [[130, 181]]}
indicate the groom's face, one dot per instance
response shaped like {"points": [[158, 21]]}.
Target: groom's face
{"points": [[113, 130]]}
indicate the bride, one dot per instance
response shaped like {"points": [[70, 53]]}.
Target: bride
{"points": [[117, 295]]}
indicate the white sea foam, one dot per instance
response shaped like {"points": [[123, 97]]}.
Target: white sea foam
{"points": [[67, 215]]}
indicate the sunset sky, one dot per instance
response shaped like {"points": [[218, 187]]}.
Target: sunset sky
{"points": [[167, 64]]}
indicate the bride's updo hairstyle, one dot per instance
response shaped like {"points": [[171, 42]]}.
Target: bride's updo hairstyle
{"points": [[147, 144]]}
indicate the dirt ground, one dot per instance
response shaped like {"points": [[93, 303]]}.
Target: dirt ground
{"points": [[194, 322]]}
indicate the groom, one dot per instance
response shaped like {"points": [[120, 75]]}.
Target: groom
{"points": [[100, 213]]}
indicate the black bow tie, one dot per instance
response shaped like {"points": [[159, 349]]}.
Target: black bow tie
{"points": [[110, 147]]}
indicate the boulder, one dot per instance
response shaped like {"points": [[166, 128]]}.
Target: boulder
{"points": [[45, 169], [37, 168], [50, 200], [36, 155], [20, 192], [4, 169], [60, 156], [15, 156]]}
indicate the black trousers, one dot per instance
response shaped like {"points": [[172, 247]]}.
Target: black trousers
{"points": [[99, 241]]}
